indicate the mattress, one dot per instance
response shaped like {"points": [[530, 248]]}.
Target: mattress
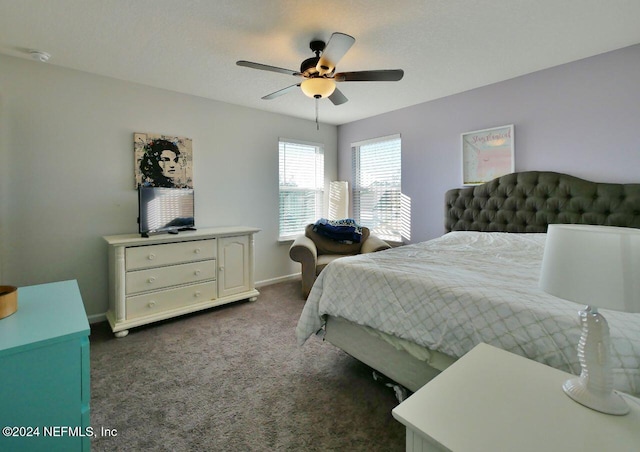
{"points": [[451, 293]]}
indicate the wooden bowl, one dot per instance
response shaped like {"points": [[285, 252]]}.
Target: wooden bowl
{"points": [[8, 300]]}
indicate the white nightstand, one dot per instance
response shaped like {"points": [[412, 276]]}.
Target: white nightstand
{"points": [[492, 400]]}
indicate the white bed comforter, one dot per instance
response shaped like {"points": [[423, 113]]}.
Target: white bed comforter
{"points": [[451, 293]]}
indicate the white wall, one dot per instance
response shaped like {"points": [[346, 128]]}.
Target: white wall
{"points": [[66, 171]]}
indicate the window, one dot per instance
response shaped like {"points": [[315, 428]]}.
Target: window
{"points": [[301, 186], [377, 197]]}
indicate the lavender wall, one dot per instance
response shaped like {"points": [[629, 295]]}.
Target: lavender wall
{"points": [[581, 118]]}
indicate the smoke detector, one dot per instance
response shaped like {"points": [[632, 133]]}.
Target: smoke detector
{"points": [[37, 55]]}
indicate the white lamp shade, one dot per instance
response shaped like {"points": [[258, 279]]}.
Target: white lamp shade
{"points": [[593, 265], [318, 87]]}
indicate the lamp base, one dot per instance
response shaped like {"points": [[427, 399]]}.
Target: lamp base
{"points": [[606, 402]]}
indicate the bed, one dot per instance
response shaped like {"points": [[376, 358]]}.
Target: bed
{"points": [[411, 311]]}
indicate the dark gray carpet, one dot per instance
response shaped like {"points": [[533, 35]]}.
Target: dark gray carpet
{"points": [[233, 378]]}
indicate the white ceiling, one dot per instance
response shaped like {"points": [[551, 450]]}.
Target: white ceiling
{"points": [[191, 46]]}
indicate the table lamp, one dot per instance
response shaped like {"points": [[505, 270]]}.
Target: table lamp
{"points": [[597, 266]]}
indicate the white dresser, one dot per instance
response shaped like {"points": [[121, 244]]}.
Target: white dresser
{"points": [[167, 275]]}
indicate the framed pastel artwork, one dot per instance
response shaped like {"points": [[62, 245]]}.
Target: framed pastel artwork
{"points": [[487, 154]]}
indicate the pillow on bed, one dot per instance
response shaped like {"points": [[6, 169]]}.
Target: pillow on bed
{"points": [[325, 245]]}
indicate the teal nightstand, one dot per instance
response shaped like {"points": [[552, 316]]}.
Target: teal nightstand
{"points": [[44, 371]]}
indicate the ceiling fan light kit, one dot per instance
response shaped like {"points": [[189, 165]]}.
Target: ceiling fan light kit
{"points": [[318, 87], [319, 72]]}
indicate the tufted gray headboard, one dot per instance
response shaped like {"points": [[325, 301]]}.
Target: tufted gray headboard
{"points": [[530, 201]]}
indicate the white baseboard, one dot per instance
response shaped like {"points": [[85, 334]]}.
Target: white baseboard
{"points": [[97, 318], [279, 279]]}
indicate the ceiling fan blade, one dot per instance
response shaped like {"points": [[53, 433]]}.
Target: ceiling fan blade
{"points": [[384, 75], [279, 92], [337, 97], [338, 45], [265, 67]]}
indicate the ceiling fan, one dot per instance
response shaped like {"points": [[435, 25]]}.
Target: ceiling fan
{"points": [[319, 72]]}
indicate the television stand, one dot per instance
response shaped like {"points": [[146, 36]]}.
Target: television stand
{"points": [[165, 275]]}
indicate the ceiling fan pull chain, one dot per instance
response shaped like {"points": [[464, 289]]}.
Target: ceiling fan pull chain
{"points": [[317, 125]]}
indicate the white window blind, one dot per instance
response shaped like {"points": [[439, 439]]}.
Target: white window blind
{"points": [[377, 186], [301, 186]]}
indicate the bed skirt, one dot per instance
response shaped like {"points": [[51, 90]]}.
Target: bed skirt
{"points": [[411, 370]]}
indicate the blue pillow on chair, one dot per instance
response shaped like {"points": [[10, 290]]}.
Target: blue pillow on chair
{"points": [[347, 230]]}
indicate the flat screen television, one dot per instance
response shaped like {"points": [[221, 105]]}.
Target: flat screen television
{"points": [[162, 209]]}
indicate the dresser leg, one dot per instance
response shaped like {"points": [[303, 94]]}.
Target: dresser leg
{"points": [[122, 333]]}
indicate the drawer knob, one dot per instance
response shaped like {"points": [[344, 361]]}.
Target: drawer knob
{"points": [[197, 251], [197, 293], [197, 272], [151, 304], [151, 280], [151, 256]]}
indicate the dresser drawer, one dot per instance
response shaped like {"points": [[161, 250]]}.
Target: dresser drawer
{"points": [[169, 253], [166, 300], [172, 275]]}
